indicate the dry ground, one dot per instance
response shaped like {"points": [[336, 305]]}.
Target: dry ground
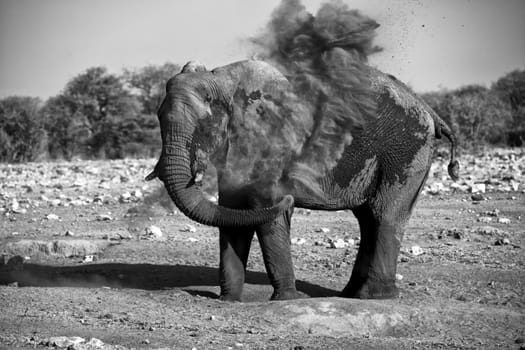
{"points": [[464, 289]]}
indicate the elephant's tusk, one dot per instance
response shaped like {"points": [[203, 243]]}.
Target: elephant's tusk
{"points": [[152, 175]]}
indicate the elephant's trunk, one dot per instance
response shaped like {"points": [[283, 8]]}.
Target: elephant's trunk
{"points": [[174, 170]]}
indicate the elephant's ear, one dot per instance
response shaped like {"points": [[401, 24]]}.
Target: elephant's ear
{"points": [[192, 67]]}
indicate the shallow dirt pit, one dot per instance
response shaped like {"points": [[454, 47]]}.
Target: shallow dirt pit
{"points": [[94, 269]]}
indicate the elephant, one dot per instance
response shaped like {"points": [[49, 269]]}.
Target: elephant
{"points": [[245, 119]]}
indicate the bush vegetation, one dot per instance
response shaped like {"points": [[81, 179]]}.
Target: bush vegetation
{"points": [[102, 115]]}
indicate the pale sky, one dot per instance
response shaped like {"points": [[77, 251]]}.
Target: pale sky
{"points": [[429, 44]]}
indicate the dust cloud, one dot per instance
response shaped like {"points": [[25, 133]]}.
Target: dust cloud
{"points": [[325, 58]]}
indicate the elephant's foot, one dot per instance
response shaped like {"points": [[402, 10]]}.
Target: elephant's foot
{"points": [[230, 297], [286, 294], [371, 289]]}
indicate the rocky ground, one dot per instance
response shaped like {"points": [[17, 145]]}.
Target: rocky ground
{"points": [[93, 257]]}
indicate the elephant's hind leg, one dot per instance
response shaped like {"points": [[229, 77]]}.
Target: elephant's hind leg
{"points": [[234, 250], [274, 239], [382, 223], [373, 275]]}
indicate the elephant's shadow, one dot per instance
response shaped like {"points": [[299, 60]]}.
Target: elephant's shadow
{"points": [[196, 280]]}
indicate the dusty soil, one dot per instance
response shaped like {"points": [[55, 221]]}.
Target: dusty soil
{"points": [[96, 268]]}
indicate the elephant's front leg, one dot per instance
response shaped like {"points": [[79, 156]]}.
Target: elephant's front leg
{"points": [[234, 249], [274, 239]]}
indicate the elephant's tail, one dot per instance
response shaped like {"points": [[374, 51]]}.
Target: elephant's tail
{"points": [[443, 129]]}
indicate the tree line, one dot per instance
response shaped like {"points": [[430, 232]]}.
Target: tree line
{"points": [[97, 115], [103, 115]]}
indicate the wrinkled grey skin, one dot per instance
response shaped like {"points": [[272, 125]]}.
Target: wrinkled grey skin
{"points": [[238, 118]]}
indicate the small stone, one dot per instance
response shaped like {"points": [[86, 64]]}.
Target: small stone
{"points": [[52, 217], [212, 318], [494, 212], [476, 197], [321, 243], [69, 233], [338, 244], [323, 230], [298, 241], [104, 217], [64, 342], [95, 342], [239, 345], [436, 188], [55, 202], [88, 259], [502, 241], [19, 210], [520, 340], [125, 197], [137, 194], [189, 228], [399, 277], [416, 250], [154, 231], [504, 221], [478, 188], [489, 230], [405, 259], [484, 219], [458, 234], [192, 239]]}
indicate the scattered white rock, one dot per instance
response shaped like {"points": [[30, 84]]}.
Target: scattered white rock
{"points": [[416, 250], [125, 197], [88, 259], [323, 230], [399, 277], [322, 243], [338, 243], [485, 219], [514, 185], [494, 213], [154, 231], [64, 342], [97, 343], [55, 202], [104, 217], [192, 239], [502, 241], [298, 241], [436, 188], [489, 230], [52, 217], [478, 188], [505, 221], [189, 228]]}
